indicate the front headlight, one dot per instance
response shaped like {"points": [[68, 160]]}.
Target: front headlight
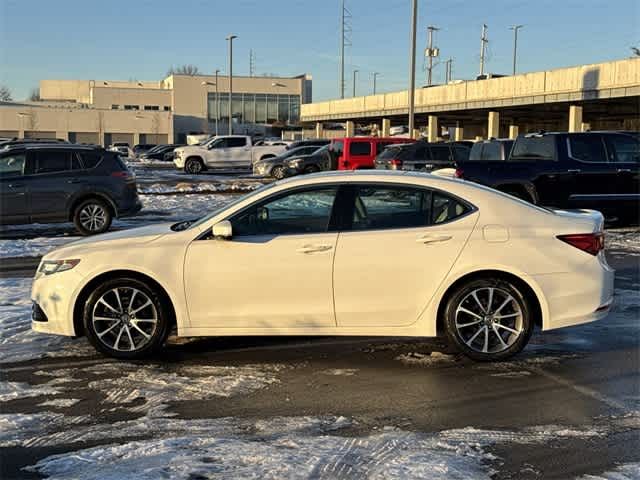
{"points": [[296, 163], [49, 267]]}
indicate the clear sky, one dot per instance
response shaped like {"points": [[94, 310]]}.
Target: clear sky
{"points": [[141, 39]]}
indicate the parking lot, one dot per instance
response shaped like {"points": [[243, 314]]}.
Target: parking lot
{"points": [[567, 407]]}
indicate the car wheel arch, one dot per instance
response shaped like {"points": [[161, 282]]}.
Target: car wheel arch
{"points": [[84, 196], [87, 288], [267, 156], [530, 291]]}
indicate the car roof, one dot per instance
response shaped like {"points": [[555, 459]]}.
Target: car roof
{"points": [[52, 146]]}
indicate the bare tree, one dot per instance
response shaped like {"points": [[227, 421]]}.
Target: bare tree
{"points": [[34, 96], [5, 94], [636, 51], [187, 69]]}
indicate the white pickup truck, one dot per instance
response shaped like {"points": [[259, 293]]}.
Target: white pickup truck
{"points": [[229, 152]]}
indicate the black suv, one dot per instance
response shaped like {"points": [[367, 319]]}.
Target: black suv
{"points": [[599, 170], [161, 152], [42, 183], [422, 156]]}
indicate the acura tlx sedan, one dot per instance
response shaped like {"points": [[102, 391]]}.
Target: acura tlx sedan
{"points": [[340, 253]]}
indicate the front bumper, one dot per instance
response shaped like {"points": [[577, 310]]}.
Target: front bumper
{"points": [[262, 169], [53, 297]]}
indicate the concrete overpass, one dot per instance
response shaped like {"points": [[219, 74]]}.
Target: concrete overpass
{"points": [[597, 96]]}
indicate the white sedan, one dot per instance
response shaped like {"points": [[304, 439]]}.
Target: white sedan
{"points": [[355, 253]]}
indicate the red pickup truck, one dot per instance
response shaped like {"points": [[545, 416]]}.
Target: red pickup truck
{"points": [[353, 153]]}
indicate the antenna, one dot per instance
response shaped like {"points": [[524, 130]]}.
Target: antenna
{"points": [[252, 63], [448, 71], [431, 52], [483, 48], [345, 41]]}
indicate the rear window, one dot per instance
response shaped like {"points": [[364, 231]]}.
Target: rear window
{"points": [[380, 146], [476, 151], [461, 153], [587, 148], [491, 151], [360, 148], [441, 153], [534, 148], [90, 159], [626, 149], [236, 142], [390, 152]]}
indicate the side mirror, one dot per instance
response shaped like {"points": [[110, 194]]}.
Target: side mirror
{"points": [[222, 230]]}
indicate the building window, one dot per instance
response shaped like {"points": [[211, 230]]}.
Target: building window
{"points": [[167, 108], [254, 108], [115, 107], [132, 107], [151, 107]]}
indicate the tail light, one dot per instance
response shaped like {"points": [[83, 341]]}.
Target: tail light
{"points": [[395, 163], [458, 173], [587, 242], [123, 174]]}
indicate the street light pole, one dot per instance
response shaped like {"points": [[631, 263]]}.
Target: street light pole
{"points": [[230, 39], [412, 64], [515, 29], [375, 76], [217, 104], [355, 72]]}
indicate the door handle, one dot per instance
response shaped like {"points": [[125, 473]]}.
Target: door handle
{"points": [[427, 239], [15, 185], [314, 248], [74, 180], [574, 170], [623, 170]]}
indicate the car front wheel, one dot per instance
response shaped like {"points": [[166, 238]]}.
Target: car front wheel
{"points": [[194, 166], [488, 319], [92, 216], [278, 172], [126, 318]]}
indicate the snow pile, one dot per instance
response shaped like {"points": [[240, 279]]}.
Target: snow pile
{"points": [[416, 358], [626, 239], [199, 187], [32, 247], [626, 471], [14, 390]]}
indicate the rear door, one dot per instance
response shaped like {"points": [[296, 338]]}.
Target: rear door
{"points": [[624, 155], [55, 176], [359, 155], [14, 206], [239, 152], [396, 246]]}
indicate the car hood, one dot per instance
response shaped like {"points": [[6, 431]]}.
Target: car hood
{"points": [[126, 238]]}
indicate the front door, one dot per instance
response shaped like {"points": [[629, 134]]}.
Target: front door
{"points": [[14, 207], [401, 245], [276, 271]]}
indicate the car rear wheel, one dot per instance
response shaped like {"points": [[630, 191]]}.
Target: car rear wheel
{"points": [[194, 166], [92, 216], [488, 319], [126, 318], [278, 172]]}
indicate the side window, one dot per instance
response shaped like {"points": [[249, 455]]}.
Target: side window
{"points": [[460, 153], [382, 207], [534, 148], [12, 165], [236, 142], [90, 159], [491, 151], [587, 148], [421, 152], [476, 151], [626, 149], [307, 211], [52, 161], [444, 208], [360, 148], [440, 152]]}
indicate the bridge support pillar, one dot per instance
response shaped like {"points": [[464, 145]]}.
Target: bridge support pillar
{"points": [[432, 129], [514, 130], [386, 127], [349, 129], [493, 128], [319, 130], [575, 118], [136, 139], [458, 134], [585, 127]]}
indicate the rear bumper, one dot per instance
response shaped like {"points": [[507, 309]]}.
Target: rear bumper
{"points": [[130, 210], [578, 297]]}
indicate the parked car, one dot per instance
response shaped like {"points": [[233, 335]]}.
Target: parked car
{"points": [[421, 155], [275, 166], [456, 258], [321, 160], [492, 149], [354, 153], [44, 183], [142, 147], [119, 144], [161, 152], [225, 151], [318, 142], [599, 170], [122, 151]]}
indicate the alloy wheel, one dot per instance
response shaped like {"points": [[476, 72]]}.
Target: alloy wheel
{"points": [[124, 319], [93, 217], [489, 320]]}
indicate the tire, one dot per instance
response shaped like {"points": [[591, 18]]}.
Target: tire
{"points": [[194, 166], [277, 172], [311, 169], [476, 332], [92, 216], [111, 337]]}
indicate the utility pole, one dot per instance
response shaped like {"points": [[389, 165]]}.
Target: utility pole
{"points": [[515, 29], [345, 41], [483, 48], [355, 72], [448, 70], [217, 103], [230, 39], [252, 63], [412, 64], [431, 52], [375, 75]]}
